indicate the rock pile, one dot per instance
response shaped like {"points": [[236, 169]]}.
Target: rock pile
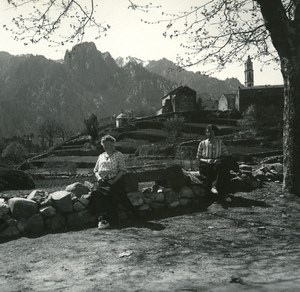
{"points": [[251, 177], [174, 191], [41, 212]]}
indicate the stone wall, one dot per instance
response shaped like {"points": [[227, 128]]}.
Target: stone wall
{"points": [[170, 191], [167, 192]]}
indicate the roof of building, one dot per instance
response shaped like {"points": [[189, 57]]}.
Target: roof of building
{"points": [[178, 89], [122, 116], [258, 87], [229, 95], [262, 90]]}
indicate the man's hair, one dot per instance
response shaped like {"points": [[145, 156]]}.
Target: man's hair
{"points": [[108, 138], [213, 127]]}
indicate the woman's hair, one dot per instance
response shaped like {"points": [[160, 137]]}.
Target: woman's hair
{"points": [[108, 138], [213, 127]]}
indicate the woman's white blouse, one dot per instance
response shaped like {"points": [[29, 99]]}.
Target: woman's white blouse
{"points": [[109, 166]]}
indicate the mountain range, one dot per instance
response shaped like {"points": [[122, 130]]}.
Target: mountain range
{"points": [[34, 88]]}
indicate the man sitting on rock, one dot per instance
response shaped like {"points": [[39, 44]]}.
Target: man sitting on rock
{"points": [[214, 164]]}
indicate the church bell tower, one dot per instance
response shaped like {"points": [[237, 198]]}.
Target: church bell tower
{"points": [[249, 80]]}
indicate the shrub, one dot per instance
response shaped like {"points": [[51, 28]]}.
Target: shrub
{"points": [[129, 146], [156, 150], [150, 135], [186, 152], [174, 127], [92, 126], [148, 125], [14, 152], [59, 167], [260, 119]]}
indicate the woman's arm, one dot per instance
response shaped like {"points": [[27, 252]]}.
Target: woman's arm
{"points": [[98, 177], [117, 177]]}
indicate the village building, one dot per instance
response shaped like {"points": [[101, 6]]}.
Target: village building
{"points": [[262, 95], [227, 102], [265, 95], [122, 120], [180, 99]]}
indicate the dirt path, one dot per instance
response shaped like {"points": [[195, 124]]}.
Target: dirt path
{"points": [[234, 249]]}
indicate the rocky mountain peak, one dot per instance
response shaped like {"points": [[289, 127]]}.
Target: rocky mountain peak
{"points": [[121, 62]]}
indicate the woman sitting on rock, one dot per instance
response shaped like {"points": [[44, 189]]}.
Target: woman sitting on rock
{"points": [[214, 164], [109, 191]]}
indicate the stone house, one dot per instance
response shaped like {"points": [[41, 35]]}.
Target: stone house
{"points": [[227, 102], [122, 120], [180, 99], [262, 95], [265, 95]]}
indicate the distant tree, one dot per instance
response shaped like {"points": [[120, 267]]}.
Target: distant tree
{"points": [[219, 32], [199, 103], [48, 129], [261, 118], [144, 111], [14, 152], [92, 126], [174, 127]]}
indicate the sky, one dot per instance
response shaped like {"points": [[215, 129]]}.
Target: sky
{"points": [[129, 36]]}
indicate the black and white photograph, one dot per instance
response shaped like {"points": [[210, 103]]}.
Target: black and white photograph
{"points": [[150, 145]]}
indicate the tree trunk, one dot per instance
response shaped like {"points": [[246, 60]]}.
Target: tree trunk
{"points": [[291, 124]]}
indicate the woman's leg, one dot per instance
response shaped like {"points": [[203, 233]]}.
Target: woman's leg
{"points": [[97, 203], [207, 174], [120, 195], [222, 180]]}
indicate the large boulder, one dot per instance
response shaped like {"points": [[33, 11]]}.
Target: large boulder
{"points": [[4, 208], [186, 192], [22, 208], [10, 232], [62, 201], [13, 179], [79, 219], [78, 189], [55, 223], [38, 196], [171, 197], [32, 225], [278, 167], [80, 204], [48, 211], [170, 177], [136, 198]]}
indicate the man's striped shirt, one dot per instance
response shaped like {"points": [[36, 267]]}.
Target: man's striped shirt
{"points": [[212, 149]]}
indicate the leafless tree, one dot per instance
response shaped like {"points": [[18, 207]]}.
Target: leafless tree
{"points": [[218, 32], [48, 129], [47, 17]]}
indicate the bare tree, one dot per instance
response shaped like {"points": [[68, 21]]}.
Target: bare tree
{"points": [[218, 32], [92, 126], [47, 17], [48, 129]]}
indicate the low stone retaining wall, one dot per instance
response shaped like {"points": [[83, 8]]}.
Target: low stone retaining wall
{"points": [[167, 191], [172, 192]]}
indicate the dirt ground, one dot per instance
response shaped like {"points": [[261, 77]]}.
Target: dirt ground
{"points": [[234, 249]]}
